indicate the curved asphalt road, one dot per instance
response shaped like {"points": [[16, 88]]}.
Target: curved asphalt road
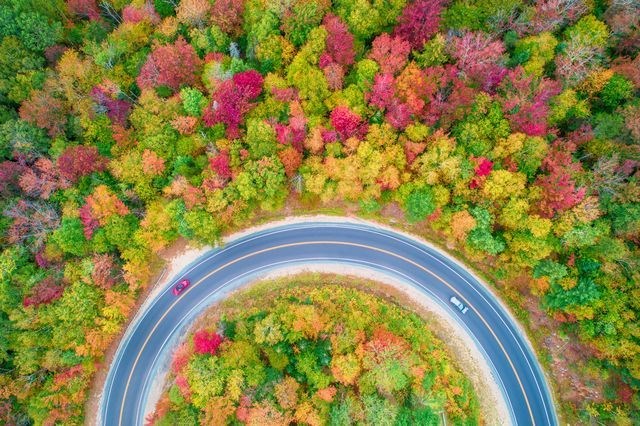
{"points": [[511, 358]]}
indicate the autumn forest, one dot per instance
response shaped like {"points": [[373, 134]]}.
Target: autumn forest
{"points": [[508, 130]]}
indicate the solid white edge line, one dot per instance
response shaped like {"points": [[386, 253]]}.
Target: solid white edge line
{"points": [[300, 222], [245, 277]]}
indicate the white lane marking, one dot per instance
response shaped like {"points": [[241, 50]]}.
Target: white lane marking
{"points": [[137, 321], [372, 248], [406, 240], [503, 312]]}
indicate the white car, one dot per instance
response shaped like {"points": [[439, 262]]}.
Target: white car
{"points": [[459, 304]]}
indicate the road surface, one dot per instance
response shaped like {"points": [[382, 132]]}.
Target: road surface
{"points": [[150, 337]]}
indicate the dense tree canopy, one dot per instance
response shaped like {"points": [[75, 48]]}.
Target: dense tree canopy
{"points": [[509, 128]]}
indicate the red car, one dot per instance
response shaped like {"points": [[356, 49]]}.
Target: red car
{"points": [[181, 286]]}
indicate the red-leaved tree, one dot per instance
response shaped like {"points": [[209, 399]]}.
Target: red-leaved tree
{"points": [[390, 53], [105, 271], [116, 109], [227, 107], [221, 164], [339, 43], [171, 65], [248, 83], [382, 92], [559, 191], [526, 101], [483, 167], [78, 161], [482, 170], [232, 100], [45, 111], [10, 172], [334, 73], [84, 9], [205, 342], [134, 14], [295, 132], [419, 21], [89, 223], [227, 14], [347, 123], [398, 115], [46, 291], [479, 58], [449, 96]]}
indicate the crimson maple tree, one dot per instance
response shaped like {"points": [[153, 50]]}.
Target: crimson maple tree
{"points": [[78, 161], [10, 172], [116, 109], [89, 223], [221, 164], [206, 342], [232, 100], [339, 45], [526, 101], [347, 123], [134, 14], [382, 91], [171, 65], [390, 52], [419, 21]]}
